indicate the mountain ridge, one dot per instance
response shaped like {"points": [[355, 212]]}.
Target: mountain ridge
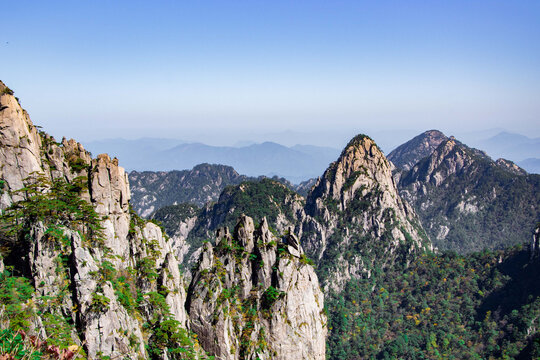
{"points": [[457, 189], [297, 163]]}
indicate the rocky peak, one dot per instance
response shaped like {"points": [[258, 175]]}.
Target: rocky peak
{"points": [[457, 187], [450, 157], [98, 272], [510, 166], [408, 154], [252, 298], [360, 164], [353, 209]]}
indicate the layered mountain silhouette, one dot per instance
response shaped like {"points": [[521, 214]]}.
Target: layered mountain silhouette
{"points": [[82, 275], [297, 163]]}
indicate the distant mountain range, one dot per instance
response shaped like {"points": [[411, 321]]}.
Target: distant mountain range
{"points": [[523, 150], [297, 163]]}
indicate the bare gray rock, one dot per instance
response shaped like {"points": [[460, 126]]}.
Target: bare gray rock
{"points": [[250, 298], [79, 274]]}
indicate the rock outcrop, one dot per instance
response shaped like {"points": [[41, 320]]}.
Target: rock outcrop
{"points": [[99, 271], [178, 221], [535, 243], [355, 219], [100, 281], [510, 166], [264, 198], [255, 296]]}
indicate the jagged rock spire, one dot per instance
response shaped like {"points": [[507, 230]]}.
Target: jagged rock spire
{"points": [[252, 298]]}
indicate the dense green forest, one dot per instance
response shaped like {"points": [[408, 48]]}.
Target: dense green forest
{"points": [[481, 306]]}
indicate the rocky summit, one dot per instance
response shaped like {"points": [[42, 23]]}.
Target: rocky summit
{"points": [[82, 275], [355, 219], [407, 155], [468, 202]]}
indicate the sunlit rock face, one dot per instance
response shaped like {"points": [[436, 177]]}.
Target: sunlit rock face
{"points": [[356, 220], [254, 295]]}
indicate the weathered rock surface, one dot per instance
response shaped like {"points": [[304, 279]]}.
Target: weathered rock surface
{"points": [[510, 166], [251, 298], [264, 198], [86, 271], [178, 221], [109, 282], [355, 217]]}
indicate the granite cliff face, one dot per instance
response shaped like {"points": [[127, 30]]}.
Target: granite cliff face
{"points": [[98, 280], [95, 268], [254, 296], [263, 198], [355, 219], [468, 202]]}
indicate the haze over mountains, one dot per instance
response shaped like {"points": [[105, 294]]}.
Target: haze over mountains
{"points": [[295, 163], [69, 239]]}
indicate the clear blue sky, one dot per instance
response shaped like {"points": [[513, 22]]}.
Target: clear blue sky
{"points": [[102, 69]]}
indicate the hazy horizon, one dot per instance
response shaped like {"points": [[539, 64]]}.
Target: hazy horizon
{"points": [[104, 69], [387, 140]]}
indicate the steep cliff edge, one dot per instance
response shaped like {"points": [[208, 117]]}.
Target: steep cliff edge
{"points": [[98, 280], [81, 274], [255, 296], [355, 220]]}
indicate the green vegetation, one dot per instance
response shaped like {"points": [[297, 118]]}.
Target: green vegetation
{"points": [[270, 296], [481, 205], [13, 346], [166, 334], [305, 260], [265, 198], [7, 91], [171, 216], [441, 307], [100, 303], [56, 203], [77, 164], [15, 292]]}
